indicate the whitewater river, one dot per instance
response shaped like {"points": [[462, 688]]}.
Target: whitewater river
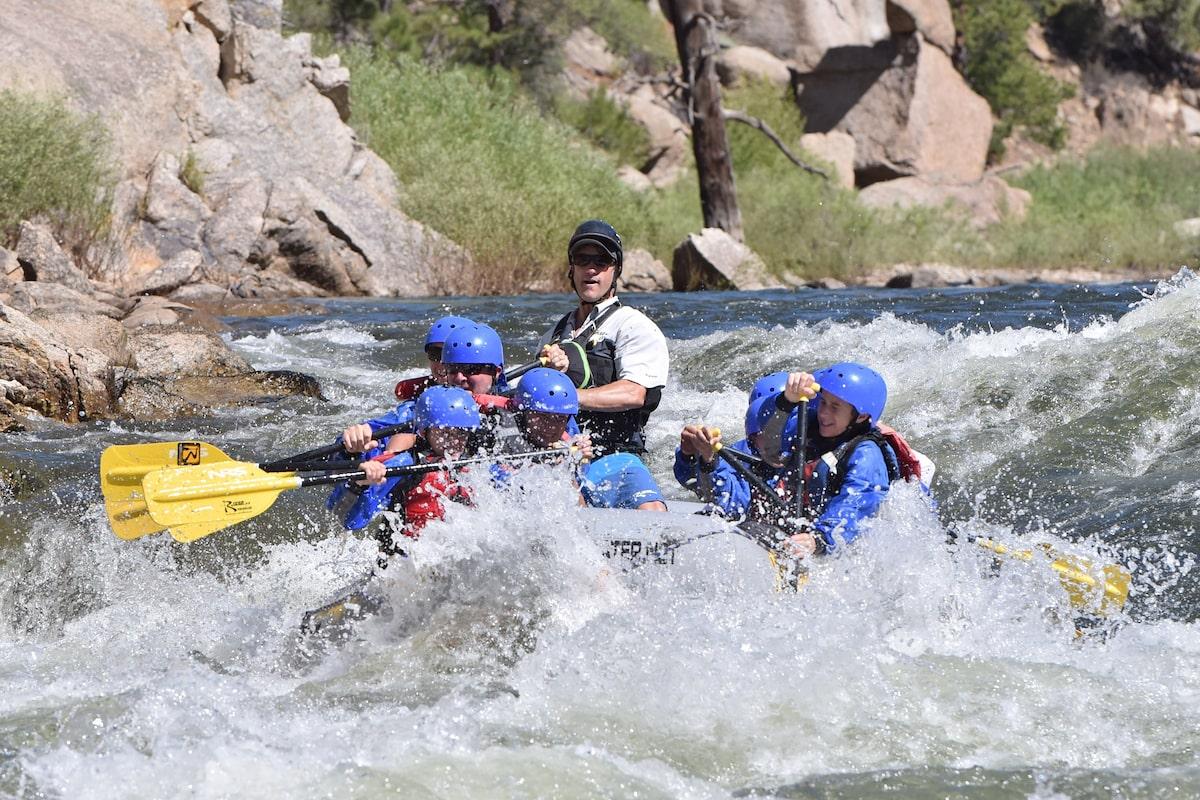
{"points": [[907, 668]]}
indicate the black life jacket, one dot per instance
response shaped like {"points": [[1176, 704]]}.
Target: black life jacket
{"points": [[837, 474], [611, 432]]}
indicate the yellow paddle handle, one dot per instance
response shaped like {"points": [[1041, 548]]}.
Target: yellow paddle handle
{"points": [[268, 482]]}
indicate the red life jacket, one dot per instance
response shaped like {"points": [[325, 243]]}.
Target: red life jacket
{"points": [[906, 457], [411, 388], [423, 502]]}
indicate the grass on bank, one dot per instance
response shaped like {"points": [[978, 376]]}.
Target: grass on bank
{"points": [[54, 165], [479, 162], [1114, 210]]}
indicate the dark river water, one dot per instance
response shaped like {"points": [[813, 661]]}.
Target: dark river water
{"points": [[905, 668]]}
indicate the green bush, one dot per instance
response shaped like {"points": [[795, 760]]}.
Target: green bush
{"points": [[1113, 210], [997, 64], [54, 164], [607, 125], [479, 163], [1179, 19]]}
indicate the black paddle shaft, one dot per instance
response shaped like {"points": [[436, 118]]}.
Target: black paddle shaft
{"points": [[300, 460], [323, 478], [801, 447]]}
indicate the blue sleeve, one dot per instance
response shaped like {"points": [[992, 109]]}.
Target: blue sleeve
{"points": [[685, 470], [357, 505], [572, 426], [862, 493], [401, 414], [731, 492]]}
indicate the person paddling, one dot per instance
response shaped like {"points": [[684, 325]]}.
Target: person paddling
{"points": [[625, 365], [445, 418], [851, 460], [718, 482], [360, 438]]}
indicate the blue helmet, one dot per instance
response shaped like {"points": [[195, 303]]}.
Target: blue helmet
{"points": [[441, 330], [546, 390], [474, 344], [768, 385], [860, 386], [758, 412], [446, 407]]}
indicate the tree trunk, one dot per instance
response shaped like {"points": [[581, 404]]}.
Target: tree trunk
{"points": [[696, 41]]}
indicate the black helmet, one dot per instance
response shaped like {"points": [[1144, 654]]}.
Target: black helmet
{"points": [[601, 234]]}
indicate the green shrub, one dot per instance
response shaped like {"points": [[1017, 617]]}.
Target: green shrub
{"points": [[607, 126], [54, 164], [479, 163], [1179, 19], [1113, 210], [997, 64]]}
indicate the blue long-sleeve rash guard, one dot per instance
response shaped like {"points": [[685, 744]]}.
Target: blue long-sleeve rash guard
{"points": [[839, 518], [731, 492]]}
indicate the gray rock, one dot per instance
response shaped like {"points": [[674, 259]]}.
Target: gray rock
{"points": [[836, 149], [984, 202], [587, 62], [10, 266], [1188, 228], [173, 274], [81, 332], [741, 61], [41, 259], [43, 374], [642, 272], [29, 296], [712, 259], [332, 80], [1189, 120], [163, 398], [909, 111], [199, 292], [111, 59], [176, 212], [634, 178], [265, 14], [166, 353], [216, 16], [153, 311]]}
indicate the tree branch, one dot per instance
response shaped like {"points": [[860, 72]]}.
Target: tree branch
{"points": [[755, 122]]}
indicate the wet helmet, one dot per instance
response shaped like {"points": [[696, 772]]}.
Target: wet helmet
{"points": [[599, 233], [757, 414], [474, 344], [768, 385], [546, 390], [441, 330], [446, 407], [860, 386]]}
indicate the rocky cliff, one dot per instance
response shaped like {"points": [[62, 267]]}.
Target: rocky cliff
{"points": [[280, 198]]}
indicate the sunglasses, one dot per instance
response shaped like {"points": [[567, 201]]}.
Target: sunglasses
{"points": [[590, 260], [471, 369]]}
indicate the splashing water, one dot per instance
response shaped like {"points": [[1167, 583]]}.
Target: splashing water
{"points": [[512, 662]]}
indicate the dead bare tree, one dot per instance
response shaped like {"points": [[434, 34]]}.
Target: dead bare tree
{"points": [[696, 41]]}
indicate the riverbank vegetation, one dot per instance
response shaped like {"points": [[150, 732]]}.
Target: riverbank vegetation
{"points": [[54, 166]]}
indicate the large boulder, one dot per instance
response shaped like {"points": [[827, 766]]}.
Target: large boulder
{"points": [[30, 296], [740, 62], [836, 149], [908, 109], [712, 259], [47, 373], [642, 272], [803, 32], [983, 203], [41, 259], [216, 120]]}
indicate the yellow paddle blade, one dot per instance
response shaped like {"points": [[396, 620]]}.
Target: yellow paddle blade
{"points": [[1105, 589], [122, 468], [224, 493]]}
